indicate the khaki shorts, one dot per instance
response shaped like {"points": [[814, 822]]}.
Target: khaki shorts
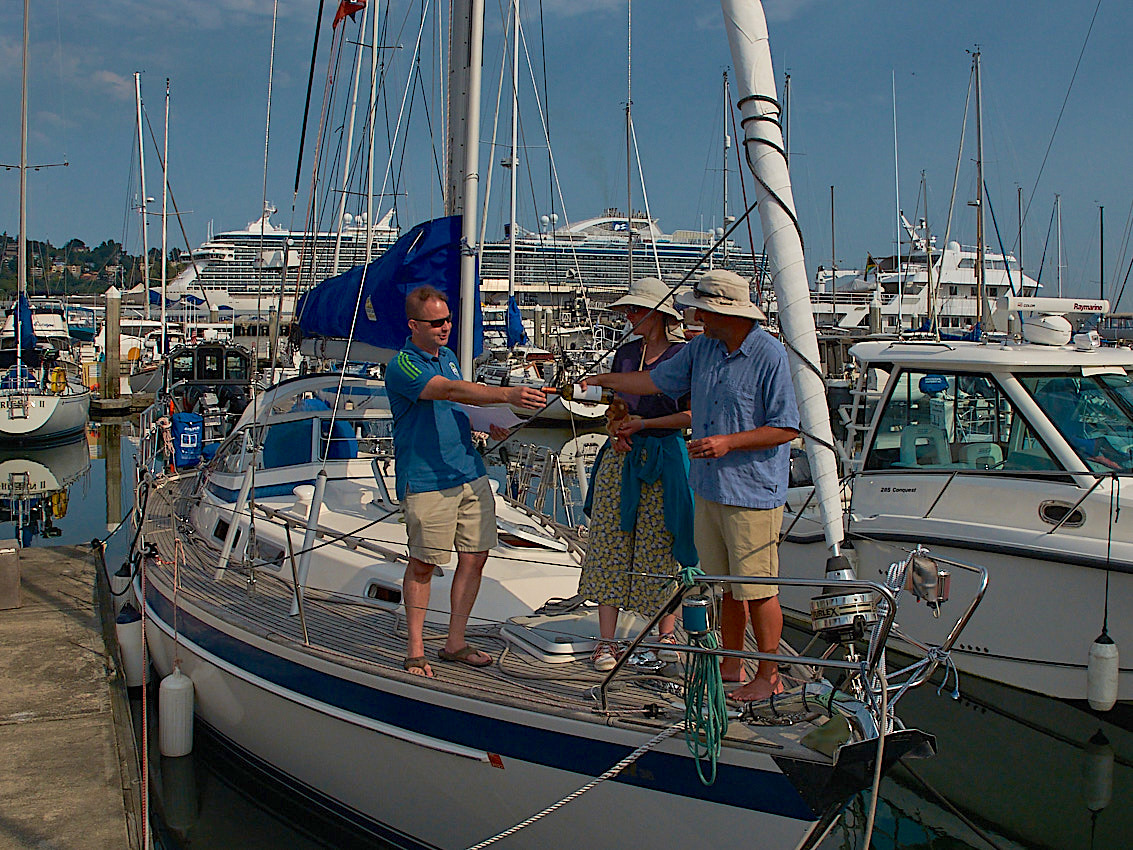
{"points": [[739, 542], [461, 518]]}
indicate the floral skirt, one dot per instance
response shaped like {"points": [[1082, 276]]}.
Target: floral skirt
{"points": [[631, 570]]}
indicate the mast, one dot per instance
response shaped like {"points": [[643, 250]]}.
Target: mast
{"points": [[897, 210], [142, 170], [465, 60], [980, 246], [746, 26], [22, 276], [727, 146], [629, 138], [1101, 252], [164, 220], [513, 161], [1058, 209], [349, 135], [786, 115], [833, 262]]}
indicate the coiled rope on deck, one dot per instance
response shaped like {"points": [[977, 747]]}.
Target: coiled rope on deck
{"points": [[706, 710]]}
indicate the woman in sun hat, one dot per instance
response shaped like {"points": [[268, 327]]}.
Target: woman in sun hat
{"points": [[639, 502]]}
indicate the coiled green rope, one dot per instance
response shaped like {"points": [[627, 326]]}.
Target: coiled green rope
{"points": [[706, 710]]}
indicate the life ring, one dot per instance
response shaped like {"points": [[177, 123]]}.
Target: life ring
{"points": [[57, 380]]}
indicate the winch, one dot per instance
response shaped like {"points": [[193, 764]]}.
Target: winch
{"points": [[841, 616]]}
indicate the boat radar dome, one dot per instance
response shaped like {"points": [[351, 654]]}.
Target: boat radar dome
{"points": [[1047, 323]]}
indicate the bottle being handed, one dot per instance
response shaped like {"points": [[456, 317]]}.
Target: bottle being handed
{"points": [[592, 394]]}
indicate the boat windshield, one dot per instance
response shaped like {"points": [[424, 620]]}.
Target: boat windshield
{"points": [[1094, 413]]}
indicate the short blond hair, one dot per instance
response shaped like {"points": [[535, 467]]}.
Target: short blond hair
{"points": [[419, 297]]}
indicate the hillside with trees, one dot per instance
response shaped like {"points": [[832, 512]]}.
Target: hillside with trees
{"points": [[75, 268]]}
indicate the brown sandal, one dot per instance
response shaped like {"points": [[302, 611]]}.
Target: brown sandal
{"points": [[418, 662]]}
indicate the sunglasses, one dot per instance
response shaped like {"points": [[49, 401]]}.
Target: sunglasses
{"points": [[435, 323]]}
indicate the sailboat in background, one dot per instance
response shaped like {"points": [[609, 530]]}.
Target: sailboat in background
{"points": [[42, 397]]}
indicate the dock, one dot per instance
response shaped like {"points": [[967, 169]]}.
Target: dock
{"points": [[70, 774]]}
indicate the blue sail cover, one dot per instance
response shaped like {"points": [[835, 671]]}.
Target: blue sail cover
{"points": [[427, 254], [22, 323], [516, 335]]}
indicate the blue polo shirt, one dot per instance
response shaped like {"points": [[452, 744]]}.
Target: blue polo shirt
{"points": [[741, 391], [432, 440]]}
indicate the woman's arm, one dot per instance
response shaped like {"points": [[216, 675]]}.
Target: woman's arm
{"points": [[672, 420]]}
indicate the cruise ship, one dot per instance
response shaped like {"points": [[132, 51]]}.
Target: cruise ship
{"points": [[592, 257], [241, 270]]}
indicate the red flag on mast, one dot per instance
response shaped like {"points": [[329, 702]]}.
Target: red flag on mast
{"points": [[347, 8]]}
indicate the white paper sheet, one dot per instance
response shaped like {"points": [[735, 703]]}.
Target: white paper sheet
{"points": [[484, 416]]}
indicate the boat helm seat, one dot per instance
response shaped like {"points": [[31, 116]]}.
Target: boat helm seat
{"points": [[981, 455], [924, 445]]}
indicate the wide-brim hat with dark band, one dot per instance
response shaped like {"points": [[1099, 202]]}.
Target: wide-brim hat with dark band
{"points": [[650, 293], [722, 292]]}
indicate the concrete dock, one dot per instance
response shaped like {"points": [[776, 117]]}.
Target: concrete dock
{"points": [[68, 764]]}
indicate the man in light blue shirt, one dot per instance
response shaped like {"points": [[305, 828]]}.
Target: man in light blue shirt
{"points": [[441, 482], [744, 415]]}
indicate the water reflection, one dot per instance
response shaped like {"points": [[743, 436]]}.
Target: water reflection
{"points": [[34, 488]]}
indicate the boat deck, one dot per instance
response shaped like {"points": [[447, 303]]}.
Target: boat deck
{"points": [[371, 638]]}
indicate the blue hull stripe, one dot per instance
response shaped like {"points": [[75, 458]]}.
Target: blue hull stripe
{"points": [[747, 788]]}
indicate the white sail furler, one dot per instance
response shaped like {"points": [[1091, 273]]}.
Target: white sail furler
{"points": [[763, 145]]}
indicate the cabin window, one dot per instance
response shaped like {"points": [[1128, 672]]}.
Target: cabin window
{"points": [[210, 368], [235, 367], [183, 367], [1093, 414], [953, 421]]}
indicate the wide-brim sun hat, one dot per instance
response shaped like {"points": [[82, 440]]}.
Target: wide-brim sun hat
{"points": [[723, 292], [649, 292]]}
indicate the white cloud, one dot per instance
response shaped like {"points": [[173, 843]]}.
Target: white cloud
{"points": [[115, 85]]}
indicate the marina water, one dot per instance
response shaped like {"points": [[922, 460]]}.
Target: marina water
{"points": [[1013, 769]]}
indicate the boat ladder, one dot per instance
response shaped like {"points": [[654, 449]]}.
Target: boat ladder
{"points": [[18, 406]]}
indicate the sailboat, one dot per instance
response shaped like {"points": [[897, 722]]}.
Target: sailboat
{"points": [[42, 396], [277, 590]]}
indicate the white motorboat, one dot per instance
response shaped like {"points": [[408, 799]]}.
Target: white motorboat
{"points": [[1012, 453]]}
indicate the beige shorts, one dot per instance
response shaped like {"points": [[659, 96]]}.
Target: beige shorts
{"points": [[739, 542], [461, 518]]}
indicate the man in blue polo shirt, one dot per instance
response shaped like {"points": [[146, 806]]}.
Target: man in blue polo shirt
{"points": [[744, 415], [441, 481]]}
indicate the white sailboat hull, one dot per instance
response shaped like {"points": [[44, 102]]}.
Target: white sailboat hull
{"points": [[379, 752], [45, 417]]}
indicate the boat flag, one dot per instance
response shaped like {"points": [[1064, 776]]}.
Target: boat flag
{"points": [[347, 9], [516, 335], [870, 266]]}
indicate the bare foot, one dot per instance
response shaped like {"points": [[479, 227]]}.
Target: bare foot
{"points": [[733, 670], [757, 689]]}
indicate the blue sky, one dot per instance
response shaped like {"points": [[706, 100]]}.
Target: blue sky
{"points": [[843, 56]]}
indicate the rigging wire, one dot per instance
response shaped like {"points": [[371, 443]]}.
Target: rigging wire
{"points": [[1062, 110]]}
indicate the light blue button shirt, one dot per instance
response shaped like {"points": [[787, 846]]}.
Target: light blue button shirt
{"points": [[741, 391]]}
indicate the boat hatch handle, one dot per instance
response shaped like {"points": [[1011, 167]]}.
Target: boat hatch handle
{"points": [[1089, 371], [1057, 512], [237, 510], [309, 536], [380, 480], [1077, 504]]}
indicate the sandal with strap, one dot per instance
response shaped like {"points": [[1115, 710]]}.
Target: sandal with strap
{"points": [[605, 656], [669, 655]]}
